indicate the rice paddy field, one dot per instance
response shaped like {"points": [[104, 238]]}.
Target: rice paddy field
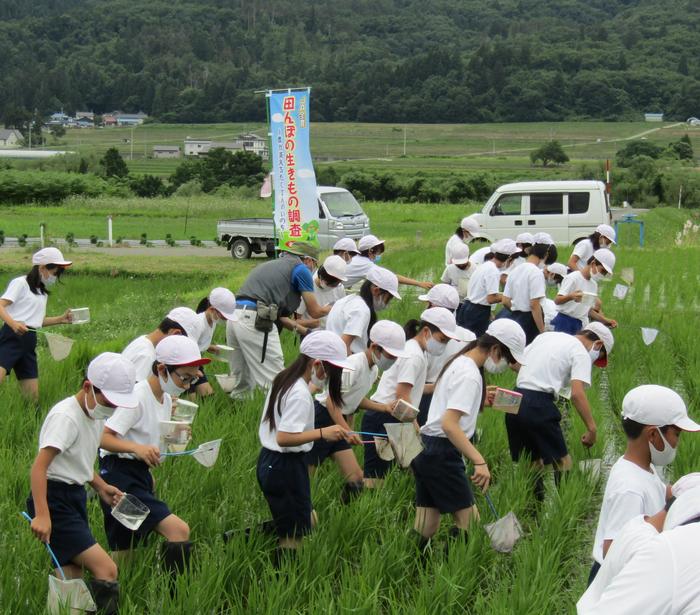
{"points": [[363, 557]]}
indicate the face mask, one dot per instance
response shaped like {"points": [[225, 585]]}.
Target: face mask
{"points": [[664, 457], [99, 412], [169, 387], [467, 239], [319, 383], [377, 258], [50, 280], [550, 282], [541, 265], [594, 353], [321, 284], [597, 277], [492, 367], [435, 348], [379, 304], [383, 362]]}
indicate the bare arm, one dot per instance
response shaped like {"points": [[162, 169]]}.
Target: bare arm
{"points": [[292, 325], [573, 262], [64, 319], [496, 298], [112, 442], [580, 401], [41, 524], [18, 327], [411, 282], [332, 433], [109, 494], [576, 296], [312, 306], [368, 404], [505, 300], [537, 315], [600, 317], [454, 433], [403, 391], [348, 339]]}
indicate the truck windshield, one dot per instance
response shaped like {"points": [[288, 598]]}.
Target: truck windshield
{"points": [[341, 204]]}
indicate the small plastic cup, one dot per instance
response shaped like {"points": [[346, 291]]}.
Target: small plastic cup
{"points": [[507, 401], [226, 382], [184, 410], [404, 411], [80, 315], [130, 512], [175, 435], [225, 352]]}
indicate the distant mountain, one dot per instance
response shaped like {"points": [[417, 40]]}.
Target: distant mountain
{"points": [[366, 60]]}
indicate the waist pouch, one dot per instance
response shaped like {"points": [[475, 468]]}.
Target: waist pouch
{"points": [[265, 316]]}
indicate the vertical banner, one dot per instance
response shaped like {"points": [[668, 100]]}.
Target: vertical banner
{"points": [[293, 178]]}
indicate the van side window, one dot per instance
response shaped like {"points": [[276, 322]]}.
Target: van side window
{"points": [[578, 202], [546, 203], [321, 213], [507, 205]]}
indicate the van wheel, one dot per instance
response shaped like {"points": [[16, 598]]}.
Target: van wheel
{"points": [[270, 254], [241, 249]]}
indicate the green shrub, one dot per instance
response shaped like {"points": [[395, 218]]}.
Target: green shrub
{"points": [[47, 186]]}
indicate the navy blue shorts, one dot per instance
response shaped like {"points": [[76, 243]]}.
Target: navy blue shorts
{"points": [[536, 429], [424, 408], [323, 448], [441, 478], [18, 353], [284, 480], [130, 476], [566, 324], [474, 317], [526, 321], [70, 529], [374, 466]]}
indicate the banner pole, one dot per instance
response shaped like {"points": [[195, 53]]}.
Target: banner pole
{"points": [[274, 191]]}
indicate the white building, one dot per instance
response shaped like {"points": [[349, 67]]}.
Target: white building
{"points": [[653, 117], [197, 147], [166, 151], [9, 137], [254, 143]]}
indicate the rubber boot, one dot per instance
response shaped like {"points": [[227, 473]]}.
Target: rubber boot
{"points": [[351, 491], [539, 489], [176, 556], [424, 550], [106, 596], [457, 537]]}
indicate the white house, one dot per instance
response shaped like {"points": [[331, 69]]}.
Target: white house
{"points": [[653, 117], [254, 143], [129, 119], [166, 151], [197, 147], [9, 137]]}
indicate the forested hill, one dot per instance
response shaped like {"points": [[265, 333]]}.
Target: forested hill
{"points": [[367, 60]]}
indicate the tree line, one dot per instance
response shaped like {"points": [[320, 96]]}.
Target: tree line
{"points": [[366, 60]]}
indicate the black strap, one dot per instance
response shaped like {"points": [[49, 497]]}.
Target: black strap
{"points": [[264, 348]]}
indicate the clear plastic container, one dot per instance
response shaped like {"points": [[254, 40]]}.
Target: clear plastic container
{"points": [[225, 353], [184, 410], [174, 436], [404, 411], [226, 382], [80, 316], [507, 401], [130, 511]]}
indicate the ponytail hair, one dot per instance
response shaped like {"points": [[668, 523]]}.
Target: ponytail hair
{"points": [[368, 298], [460, 233], [36, 286], [546, 252], [286, 379], [413, 326], [203, 305], [595, 240]]}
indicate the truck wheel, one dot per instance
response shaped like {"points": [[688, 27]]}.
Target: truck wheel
{"points": [[240, 249], [270, 254]]}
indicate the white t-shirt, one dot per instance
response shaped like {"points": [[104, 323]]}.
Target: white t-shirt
{"points": [[407, 370], [324, 296], [26, 307], [584, 250], [458, 389], [141, 424], [663, 578], [296, 414], [549, 311], [573, 282], [485, 281], [77, 437], [632, 537], [459, 278], [524, 284], [357, 270], [453, 244], [206, 332], [350, 316], [552, 361], [356, 383], [436, 363], [477, 258], [141, 352], [630, 491]]}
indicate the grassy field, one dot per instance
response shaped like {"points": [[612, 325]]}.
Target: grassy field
{"points": [[362, 558]]}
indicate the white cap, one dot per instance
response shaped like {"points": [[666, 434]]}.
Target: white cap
{"points": [[606, 258], [187, 319], [511, 335], [179, 350], [605, 336], [652, 404], [115, 377], [385, 279], [50, 256], [368, 242], [684, 509], [684, 483], [557, 269], [471, 225], [543, 238], [390, 336], [443, 319], [335, 267], [326, 346], [223, 300], [464, 335], [460, 254], [525, 238], [505, 246], [606, 231], [346, 245], [442, 295]]}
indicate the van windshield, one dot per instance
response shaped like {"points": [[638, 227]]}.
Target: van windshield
{"points": [[341, 204]]}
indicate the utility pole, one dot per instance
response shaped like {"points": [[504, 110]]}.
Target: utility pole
{"points": [[404, 141], [131, 157]]}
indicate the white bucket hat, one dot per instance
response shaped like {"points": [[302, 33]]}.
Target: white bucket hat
{"points": [[557, 269], [543, 238], [464, 335], [326, 346], [187, 319], [115, 377], [505, 246], [443, 319], [471, 225], [525, 238], [368, 242], [460, 255], [50, 256], [346, 244], [179, 350], [605, 336], [335, 267], [442, 295], [606, 231], [606, 258], [684, 509], [223, 300], [390, 336], [384, 279], [511, 335], [652, 404]]}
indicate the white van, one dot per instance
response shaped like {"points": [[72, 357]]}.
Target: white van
{"points": [[567, 210]]}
